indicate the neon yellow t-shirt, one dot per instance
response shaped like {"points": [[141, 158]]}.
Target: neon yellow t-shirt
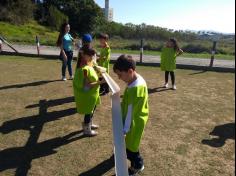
{"points": [[85, 98], [136, 97], [104, 59], [168, 59]]}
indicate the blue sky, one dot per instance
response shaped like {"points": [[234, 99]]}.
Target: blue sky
{"points": [[216, 15]]}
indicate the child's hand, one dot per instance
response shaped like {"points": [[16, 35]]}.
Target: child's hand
{"points": [[103, 81]]}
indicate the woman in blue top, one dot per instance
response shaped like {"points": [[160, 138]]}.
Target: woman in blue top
{"points": [[65, 42]]}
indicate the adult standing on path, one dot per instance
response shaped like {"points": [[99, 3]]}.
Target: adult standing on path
{"points": [[65, 42]]}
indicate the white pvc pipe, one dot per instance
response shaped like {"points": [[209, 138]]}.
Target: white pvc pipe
{"points": [[121, 167]]}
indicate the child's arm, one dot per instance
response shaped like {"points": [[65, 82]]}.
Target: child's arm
{"points": [[89, 84], [128, 120]]}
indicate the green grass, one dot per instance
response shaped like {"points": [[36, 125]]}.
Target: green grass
{"points": [[26, 33], [40, 134], [185, 55]]}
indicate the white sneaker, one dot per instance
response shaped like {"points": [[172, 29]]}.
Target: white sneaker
{"points": [[72, 77], [174, 87], [166, 85], [133, 172], [64, 78]]}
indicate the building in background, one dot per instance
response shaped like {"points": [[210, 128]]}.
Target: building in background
{"points": [[108, 11]]}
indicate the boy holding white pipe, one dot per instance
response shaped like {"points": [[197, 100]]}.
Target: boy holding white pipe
{"points": [[135, 110]]}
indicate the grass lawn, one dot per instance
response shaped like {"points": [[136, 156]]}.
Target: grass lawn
{"points": [[185, 55], [190, 131]]}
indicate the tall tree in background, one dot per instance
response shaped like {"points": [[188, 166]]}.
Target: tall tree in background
{"points": [[84, 16]]}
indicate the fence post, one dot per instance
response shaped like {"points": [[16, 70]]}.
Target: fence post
{"points": [[141, 51], [38, 45], [0, 45], [213, 54]]}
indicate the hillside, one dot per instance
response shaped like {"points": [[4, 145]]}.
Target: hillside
{"points": [[26, 33]]}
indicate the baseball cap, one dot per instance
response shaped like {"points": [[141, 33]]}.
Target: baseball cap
{"points": [[87, 38]]}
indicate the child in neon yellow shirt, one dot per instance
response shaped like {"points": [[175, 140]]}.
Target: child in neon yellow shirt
{"points": [[168, 60], [86, 87], [104, 59], [134, 109]]}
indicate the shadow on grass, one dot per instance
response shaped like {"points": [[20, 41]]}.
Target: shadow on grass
{"points": [[224, 132], [199, 72], [38, 83], [20, 158], [158, 89], [101, 168]]}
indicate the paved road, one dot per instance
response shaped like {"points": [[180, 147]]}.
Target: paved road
{"points": [[49, 50]]}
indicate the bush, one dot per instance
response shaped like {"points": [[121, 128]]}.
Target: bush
{"points": [[191, 48], [16, 12], [55, 18]]}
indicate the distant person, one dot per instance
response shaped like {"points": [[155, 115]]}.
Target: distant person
{"points": [[0, 45], [65, 42], [135, 109], [86, 87], [168, 60], [104, 59]]}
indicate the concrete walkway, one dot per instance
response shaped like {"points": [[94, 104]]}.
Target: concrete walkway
{"points": [[194, 63]]}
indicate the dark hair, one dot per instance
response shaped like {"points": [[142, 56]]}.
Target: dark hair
{"points": [[103, 36], [174, 41], [89, 51], [124, 63], [62, 33], [86, 49]]}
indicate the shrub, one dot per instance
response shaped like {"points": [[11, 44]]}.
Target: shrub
{"points": [[55, 18], [16, 12], [191, 48]]}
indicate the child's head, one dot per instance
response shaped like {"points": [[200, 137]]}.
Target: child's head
{"points": [[87, 40], [172, 43], [103, 38], [88, 54], [125, 67]]}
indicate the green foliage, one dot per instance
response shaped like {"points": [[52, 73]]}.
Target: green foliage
{"points": [[193, 48], [17, 11], [26, 33], [85, 16], [131, 31], [55, 18]]}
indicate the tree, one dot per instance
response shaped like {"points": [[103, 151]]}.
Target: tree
{"points": [[85, 16], [16, 11]]}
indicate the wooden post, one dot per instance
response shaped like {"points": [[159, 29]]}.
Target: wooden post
{"points": [[38, 45], [213, 54], [0, 45], [141, 51], [8, 44]]}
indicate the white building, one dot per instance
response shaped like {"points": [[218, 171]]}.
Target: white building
{"points": [[108, 11]]}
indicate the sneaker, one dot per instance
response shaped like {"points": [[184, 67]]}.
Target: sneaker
{"points": [[64, 78], [71, 77], [133, 171], [166, 85], [174, 87]]}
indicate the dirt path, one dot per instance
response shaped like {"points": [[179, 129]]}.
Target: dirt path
{"points": [[49, 50]]}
